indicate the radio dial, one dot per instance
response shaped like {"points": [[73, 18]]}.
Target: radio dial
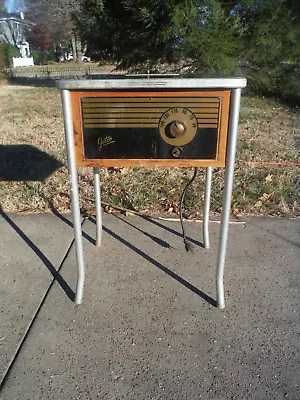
{"points": [[177, 129], [178, 126]]}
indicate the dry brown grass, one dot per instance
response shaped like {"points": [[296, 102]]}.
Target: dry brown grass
{"points": [[269, 131]]}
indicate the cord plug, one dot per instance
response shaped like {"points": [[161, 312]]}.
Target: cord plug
{"points": [[188, 246]]}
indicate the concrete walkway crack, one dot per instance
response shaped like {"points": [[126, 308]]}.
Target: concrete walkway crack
{"points": [[70, 293]]}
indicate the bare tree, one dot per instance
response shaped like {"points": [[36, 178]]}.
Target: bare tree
{"points": [[56, 17]]}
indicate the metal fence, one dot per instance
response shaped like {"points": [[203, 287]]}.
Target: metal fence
{"points": [[49, 72]]}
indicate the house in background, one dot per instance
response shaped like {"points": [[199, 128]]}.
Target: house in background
{"points": [[13, 28]]}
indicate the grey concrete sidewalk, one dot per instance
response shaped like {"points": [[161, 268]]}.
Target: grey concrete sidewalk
{"points": [[147, 328], [31, 249]]}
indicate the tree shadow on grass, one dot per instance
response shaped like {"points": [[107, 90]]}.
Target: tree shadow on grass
{"points": [[22, 162], [37, 82]]}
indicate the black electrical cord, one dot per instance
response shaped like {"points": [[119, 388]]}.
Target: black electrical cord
{"points": [[188, 245]]}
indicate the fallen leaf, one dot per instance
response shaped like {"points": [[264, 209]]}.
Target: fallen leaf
{"points": [[129, 214], [114, 170], [86, 178], [258, 204], [175, 207], [235, 212], [108, 209], [266, 196], [269, 178]]}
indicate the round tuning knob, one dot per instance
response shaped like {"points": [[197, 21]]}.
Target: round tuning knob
{"points": [[178, 126], [177, 129]]}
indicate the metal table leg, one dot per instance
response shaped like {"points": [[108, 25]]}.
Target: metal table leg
{"points": [[231, 149], [208, 177], [98, 206], [66, 102]]}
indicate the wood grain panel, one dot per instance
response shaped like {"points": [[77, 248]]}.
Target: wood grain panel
{"points": [[149, 163], [201, 98]]}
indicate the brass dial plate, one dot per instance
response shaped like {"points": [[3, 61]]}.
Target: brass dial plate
{"points": [[184, 115]]}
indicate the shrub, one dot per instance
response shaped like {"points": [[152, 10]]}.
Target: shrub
{"points": [[2, 61]]}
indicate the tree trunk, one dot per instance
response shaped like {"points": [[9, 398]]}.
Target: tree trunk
{"points": [[78, 49], [74, 47]]}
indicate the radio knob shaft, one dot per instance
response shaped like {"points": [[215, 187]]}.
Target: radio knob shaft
{"points": [[177, 129], [176, 152]]}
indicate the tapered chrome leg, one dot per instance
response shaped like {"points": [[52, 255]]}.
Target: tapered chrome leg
{"points": [[98, 206]]}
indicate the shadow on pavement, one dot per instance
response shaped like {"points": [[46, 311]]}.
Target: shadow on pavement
{"points": [[69, 292], [130, 206], [166, 270], [155, 239], [257, 225], [196, 242], [64, 219], [158, 265]]}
